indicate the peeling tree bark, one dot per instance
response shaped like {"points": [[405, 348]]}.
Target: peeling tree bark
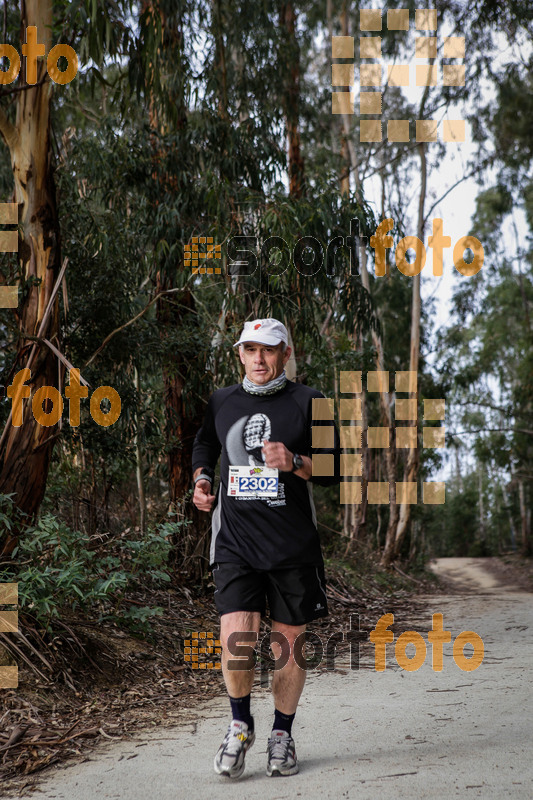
{"points": [[25, 451]]}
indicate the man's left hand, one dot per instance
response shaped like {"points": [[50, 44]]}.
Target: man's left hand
{"points": [[277, 456]]}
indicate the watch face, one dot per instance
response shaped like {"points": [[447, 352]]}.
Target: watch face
{"points": [[297, 461]]}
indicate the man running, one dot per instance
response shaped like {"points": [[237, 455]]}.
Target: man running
{"points": [[264, 541]]}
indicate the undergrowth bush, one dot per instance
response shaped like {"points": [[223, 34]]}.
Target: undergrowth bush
{"points": [[59, 569]]}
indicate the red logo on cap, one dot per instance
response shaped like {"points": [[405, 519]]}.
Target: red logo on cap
{"points": [[257, 326]]}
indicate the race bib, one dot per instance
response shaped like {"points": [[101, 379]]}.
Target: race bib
{"points": [[253, 482]]}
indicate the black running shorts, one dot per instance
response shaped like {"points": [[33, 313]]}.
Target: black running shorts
{"points": [[295, 595]]}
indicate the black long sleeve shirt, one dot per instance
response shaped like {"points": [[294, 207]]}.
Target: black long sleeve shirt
{"points": [[274, 531]]}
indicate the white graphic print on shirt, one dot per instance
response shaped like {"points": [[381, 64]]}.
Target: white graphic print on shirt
{"points": [[244, 443]]}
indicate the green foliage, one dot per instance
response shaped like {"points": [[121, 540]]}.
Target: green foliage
{"points": [[59, 569], [452, 529], [513, 117], [10, 515]]}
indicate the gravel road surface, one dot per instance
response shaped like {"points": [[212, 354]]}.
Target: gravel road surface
{"points": [[360, 733]]}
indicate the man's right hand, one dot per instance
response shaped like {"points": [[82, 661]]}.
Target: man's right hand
{"points": [[202, 497]]}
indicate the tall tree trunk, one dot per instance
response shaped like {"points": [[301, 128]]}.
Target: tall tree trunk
{"points": [[291, 107], [508, 502], [222, 72], [181, 422], [176, 311], [386, 416], [481, 506], [346, 131], [411, 470], [183, 418], [524, 521], [287, 19], [458, 476], [354, 515], [139, 471], [25, 451]]}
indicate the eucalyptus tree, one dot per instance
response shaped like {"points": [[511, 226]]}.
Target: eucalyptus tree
{"points": [[26, 113], [25, 109]]}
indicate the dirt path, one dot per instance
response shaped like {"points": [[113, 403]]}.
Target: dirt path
{"points": [[473, 575], [362, 733]]}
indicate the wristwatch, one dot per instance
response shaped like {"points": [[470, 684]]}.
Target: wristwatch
{"points": [[203, 477], [297, 462]]}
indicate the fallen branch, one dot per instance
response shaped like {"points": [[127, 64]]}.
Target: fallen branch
{"points": [[16, 735], [405, 575], [10, 645]]}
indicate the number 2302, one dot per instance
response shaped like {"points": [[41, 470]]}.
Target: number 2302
{"points": [[254, 483]]}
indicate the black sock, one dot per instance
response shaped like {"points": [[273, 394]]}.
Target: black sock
{"points": [[240, 708], [283, 722]]}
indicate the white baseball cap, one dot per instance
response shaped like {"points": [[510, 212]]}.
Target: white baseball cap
{"points": [[264, 331]]}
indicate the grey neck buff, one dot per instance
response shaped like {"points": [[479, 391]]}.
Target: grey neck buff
{"points": [[266, 388]]}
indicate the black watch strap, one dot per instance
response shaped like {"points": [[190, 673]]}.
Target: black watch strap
{"points": [[297, 462]]}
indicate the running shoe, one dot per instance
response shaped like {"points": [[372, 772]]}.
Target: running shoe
{"points": [[281, 754], [229, 760]]}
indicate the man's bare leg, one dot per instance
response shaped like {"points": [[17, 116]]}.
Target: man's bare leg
{"points": [[229, 760], [239, 682], [287, 682]]}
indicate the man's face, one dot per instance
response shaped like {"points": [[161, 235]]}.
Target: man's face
{"points": [[263, 362]]}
